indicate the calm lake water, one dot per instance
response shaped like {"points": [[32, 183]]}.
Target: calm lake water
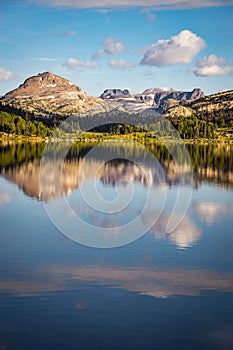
{"points": [[167, 289]]}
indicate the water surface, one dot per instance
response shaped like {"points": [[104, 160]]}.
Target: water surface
{"points": [[163, 291]]}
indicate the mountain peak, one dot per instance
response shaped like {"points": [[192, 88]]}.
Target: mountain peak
{"points": [[46, 81], [47, 94]]}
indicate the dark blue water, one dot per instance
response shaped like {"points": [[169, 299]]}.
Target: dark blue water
{"points": [[162, 291]]}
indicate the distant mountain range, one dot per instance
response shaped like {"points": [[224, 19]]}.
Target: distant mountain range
{"points": [[154, 100], [47, 95]]}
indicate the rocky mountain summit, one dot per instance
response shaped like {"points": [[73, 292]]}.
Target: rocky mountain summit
{"points": [[47, 94], [154, 100]]}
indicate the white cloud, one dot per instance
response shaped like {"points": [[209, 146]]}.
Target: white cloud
{"points": [[73, 63], [150, 16], [111, 47], [70, 33], [181, 48], [5, 74], [98, 54], [44, 59], [120, 64], [124, 4], [212, 65]]}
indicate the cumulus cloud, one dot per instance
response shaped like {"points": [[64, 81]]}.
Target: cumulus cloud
{"points": [[212, 65], [111, 47], [124, 4], [5, 74], [181, 48], [120, 64], [73, 63]]}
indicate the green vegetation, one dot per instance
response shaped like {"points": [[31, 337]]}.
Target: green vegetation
{"points": [[194, 128], [18, 152], [16, 125], [202, 155], [147, 128]]}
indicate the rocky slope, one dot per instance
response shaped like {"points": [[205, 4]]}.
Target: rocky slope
{"points": [[151, 101], [217, 103], [47, 94], [216, 106]]}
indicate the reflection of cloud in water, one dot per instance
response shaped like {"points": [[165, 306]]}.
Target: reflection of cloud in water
{"points": [[156, 282], [210, 212], [4, 198], [184, 236]]}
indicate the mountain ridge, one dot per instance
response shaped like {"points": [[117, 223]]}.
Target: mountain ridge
{"points": [[47, 95], [152, 99]]}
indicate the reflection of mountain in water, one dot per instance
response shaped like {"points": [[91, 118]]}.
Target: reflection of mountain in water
{"points": [[150, 175], [210, 164], [27, 176]]}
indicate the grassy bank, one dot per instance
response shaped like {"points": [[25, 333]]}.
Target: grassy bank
{"points": [[144, 137]]}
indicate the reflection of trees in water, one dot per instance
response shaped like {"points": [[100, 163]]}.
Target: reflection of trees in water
{"points": [[20, 163]]}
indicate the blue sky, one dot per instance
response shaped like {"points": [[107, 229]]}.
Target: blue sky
{"points": [[119, 44]]}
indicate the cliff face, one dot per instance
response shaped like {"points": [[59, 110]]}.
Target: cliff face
{"points": [[154, 100], [216, 103], [115, 93], [216, 106], [47, 94]]}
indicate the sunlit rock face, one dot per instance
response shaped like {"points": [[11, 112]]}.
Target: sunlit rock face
{"points": [[222, 101], [177, 111], [47, 94], [116, 93], [154, 100]]}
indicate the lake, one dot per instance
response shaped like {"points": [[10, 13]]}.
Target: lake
{"points": [[116, 246]]}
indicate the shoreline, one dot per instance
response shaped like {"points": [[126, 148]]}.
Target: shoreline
{"points": [[98, 137]]}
